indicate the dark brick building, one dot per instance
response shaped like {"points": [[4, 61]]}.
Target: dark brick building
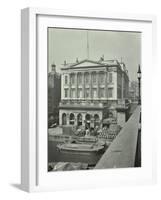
{"points": [[54, 94]]}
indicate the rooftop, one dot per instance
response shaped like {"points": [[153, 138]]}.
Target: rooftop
{"points": [[91, 63]]}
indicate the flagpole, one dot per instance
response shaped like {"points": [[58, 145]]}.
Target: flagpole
{"points": [[87, 46]]}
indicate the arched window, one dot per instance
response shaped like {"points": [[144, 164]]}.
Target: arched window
{"points": [[88, 121], [88, 117], [64, 119], [96, 120], [72, 119]]}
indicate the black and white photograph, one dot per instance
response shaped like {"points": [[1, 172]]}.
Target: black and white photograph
{"points": [[94, 99], [81, 82]]}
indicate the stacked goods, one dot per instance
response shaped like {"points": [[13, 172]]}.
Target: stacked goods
{"points": [[103, 134], [110, 133], [111, 136], [113, 131], [80, 132]]}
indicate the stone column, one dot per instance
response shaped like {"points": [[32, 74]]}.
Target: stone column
{"points": [[68, 119], [90, 85], [100, 118], [92, 121], [70, 86], [60, 117], [76, 85], [97, 84], [83, 119], [106, 84], [83, 85], [75, 119]]}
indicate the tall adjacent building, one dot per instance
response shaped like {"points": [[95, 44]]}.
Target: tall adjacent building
{"points": [[90, 90], [133, 91], [54, 93]]}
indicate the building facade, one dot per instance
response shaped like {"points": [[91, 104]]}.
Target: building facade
{"points": [[54, 94], [90, 90], [133, 91]]}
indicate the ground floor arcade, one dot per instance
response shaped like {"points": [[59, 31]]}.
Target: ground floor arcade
{"points": [[86, 118]]}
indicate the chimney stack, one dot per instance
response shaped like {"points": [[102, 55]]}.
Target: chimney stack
{"points": [[53, 68], [101, 58]]}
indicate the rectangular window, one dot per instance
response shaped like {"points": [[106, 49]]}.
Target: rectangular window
{"points": [[86, 93], [66, 79], [79, 78], [94, 93], [87, 78], [66, 93], [79, 93], [110, 92], [72, 79], [110, 78], [119, 92], [94, 78], [72, 93], [102, 92], [101, 78]]}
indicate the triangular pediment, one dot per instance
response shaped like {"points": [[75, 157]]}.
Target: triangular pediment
{"points": [[87, 63]]}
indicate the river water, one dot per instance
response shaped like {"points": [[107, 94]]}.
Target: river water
{"points": [[54, 155]]}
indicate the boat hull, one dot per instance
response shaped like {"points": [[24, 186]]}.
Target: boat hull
{"points": [[86, 153], [57, 155]]}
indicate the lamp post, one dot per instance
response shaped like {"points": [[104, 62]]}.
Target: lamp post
{"points": [[139, 84]]}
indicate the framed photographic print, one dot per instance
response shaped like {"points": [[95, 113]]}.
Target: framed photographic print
{"points": [[86, 115]]}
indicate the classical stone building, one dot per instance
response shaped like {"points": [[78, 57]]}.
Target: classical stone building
{"points": [[90, 90]]}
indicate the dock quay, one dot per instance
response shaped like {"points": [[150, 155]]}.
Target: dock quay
{"points": [[125, 149]]}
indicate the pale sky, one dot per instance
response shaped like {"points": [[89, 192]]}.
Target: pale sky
{"points": [[69, 44]]}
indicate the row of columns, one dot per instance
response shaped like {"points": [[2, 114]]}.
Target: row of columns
{"points": [[76, 84]]}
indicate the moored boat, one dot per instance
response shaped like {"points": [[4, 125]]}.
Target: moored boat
{"points": [[89, 140], [85, 149]]}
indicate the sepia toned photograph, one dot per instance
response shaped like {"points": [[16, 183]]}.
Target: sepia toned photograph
{"points": [[94, 99]]}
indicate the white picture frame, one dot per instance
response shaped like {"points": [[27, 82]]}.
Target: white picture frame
{"points": [[31, 170]]}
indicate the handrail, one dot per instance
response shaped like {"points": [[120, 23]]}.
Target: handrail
{"points": [[122, 152]]}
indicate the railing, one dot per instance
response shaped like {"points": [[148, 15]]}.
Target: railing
{"points": [[125, 147], [87, 102]]}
